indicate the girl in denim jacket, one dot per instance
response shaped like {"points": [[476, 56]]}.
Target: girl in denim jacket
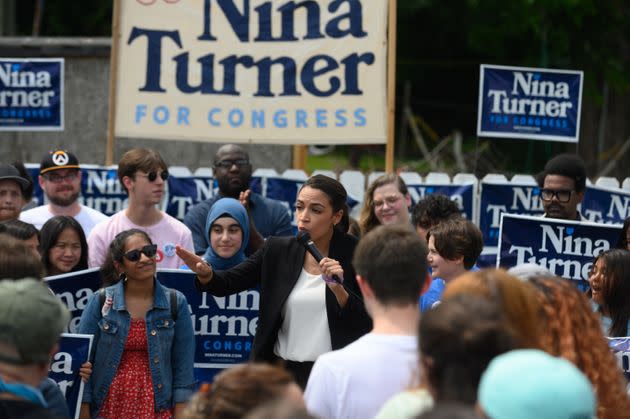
{"points": [[142, 356]]}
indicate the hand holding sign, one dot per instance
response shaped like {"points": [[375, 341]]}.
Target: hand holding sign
{"points": [[196, 264]]}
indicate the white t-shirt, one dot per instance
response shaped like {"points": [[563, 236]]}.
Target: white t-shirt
{"points": [[304, 334], [355, 381], [87, 217], [166, 233]]}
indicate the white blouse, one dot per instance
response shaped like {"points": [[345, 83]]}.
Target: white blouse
{"points": [[304, 334]]}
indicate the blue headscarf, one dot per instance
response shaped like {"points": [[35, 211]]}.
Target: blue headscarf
{"points": [[234, 209]]}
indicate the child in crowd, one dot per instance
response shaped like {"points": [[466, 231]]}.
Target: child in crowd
{"points": [[610, 291]]}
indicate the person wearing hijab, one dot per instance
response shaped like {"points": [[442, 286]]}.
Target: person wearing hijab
{"points": [[227, 227]]}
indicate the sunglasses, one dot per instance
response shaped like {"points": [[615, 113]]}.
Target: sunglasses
{"points": [[150, 250], [152, 176]]}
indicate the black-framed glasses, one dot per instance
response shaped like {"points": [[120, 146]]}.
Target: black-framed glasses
{"points": [[562, 195], [226, 164], [56, 178], [150, 250], [152, 176]]}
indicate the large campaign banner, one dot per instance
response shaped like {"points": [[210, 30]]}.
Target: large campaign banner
{"points": [[498, 198], [566, 248], [274, 72], [224, 326], [74, 350], [621, 349], [529, 103], [31, 94], [74, 290], [606, 205]]}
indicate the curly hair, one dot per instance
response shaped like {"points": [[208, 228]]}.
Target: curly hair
{"points": [[367, 219], [237, 391], [573, 332], [432, 209], [516, 300]]}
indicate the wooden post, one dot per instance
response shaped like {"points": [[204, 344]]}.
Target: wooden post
{"points": [[391, 87], [113, 79], [299, 156]]}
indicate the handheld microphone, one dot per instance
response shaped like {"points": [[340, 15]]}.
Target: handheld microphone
{"points": [[304, 238]]}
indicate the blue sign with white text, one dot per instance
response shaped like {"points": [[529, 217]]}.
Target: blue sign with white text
{"points": [[462, 195], [31, 94], [497, 199], [529, 103], [620, 347], [74, 350], [224, 327], [74, 290], [566, 248], [606, 205]]}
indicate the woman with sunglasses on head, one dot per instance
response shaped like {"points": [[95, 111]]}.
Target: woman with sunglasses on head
{"points": [[304, 310], [63, 246], [610, 291], [143, 344], [143, 175], [387, 201]]}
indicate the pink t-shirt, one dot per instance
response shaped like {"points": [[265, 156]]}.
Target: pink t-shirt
{"points": [[166, 233]]}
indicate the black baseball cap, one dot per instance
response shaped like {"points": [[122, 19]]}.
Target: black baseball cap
{"points": [[58, 159]]}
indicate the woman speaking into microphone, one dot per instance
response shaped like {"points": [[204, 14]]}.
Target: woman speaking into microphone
{"points": [[307, 307]]}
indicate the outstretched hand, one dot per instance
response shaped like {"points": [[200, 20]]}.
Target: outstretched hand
{"points": [[243, 197], [196, 264]]}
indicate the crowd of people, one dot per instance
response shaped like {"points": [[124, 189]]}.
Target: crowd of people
{"points": [[387, 316]]}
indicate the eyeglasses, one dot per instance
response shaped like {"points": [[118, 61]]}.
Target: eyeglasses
{"points": [[152, 176], [563, 195], [226, 164], [55, 178], [390, 200], [150, 250]]}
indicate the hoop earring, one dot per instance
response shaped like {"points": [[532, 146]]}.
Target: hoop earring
{"points": [[122, 277]]}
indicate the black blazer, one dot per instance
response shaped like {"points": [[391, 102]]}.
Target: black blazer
{"points": [[276, 268]]}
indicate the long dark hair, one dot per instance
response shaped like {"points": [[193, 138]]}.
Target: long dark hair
{"points": [[616, 289], [49, 235], [622, 243], [336, 194], [115, 253]]}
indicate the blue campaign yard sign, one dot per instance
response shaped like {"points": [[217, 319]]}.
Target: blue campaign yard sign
{"points": [[566, 248], [224, 327], [31, 94], [74, 289], [463, 195], [74, 350], [606, 205], [499, 198], [529, 103]]}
